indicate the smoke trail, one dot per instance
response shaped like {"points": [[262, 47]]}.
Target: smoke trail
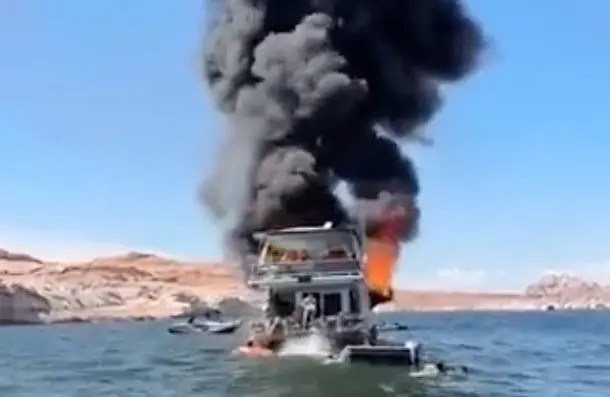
{"points": [[306, 86]]}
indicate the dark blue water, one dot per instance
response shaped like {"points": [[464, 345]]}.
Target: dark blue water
{"points": [[517, 354]]}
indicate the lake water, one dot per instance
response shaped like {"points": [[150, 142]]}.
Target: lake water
{"points": [[556, 354]]}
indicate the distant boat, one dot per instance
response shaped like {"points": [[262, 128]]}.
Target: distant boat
{"points": [[212, 323], [392, 327]]}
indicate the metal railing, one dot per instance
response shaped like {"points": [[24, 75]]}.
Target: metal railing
{"points": [[304, 268]]}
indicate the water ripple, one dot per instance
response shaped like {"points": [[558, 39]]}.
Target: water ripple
{"points": [[511, 355]]}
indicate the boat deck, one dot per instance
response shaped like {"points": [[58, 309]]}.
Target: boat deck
{"points": [[382, 353]]}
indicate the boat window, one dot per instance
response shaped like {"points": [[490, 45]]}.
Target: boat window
{"points": [[313, 246], [332, 304], [316, 296], [282, 303], [354, 302]]}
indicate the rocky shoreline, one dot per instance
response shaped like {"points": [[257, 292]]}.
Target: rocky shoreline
{"points": [[131, 286], [139, 286]]}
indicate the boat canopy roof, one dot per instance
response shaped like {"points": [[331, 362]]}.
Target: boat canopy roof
{"points": [[319, 245], [326, 228]]}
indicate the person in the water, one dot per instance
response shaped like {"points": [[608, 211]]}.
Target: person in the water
{"points": [[266, 343]]}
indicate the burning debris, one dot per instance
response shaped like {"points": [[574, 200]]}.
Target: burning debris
{"points": [[321, 91]]}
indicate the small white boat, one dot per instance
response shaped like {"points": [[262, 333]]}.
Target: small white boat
{"points": [[211, 323], [391, 327], [223, 327]]}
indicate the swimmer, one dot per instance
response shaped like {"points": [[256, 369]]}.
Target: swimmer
{"points": [[255, 349]]}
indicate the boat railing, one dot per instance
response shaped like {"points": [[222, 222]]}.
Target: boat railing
{"points": [[306, 267], [300, 271], [342, 322]]}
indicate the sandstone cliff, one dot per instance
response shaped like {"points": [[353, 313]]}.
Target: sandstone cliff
{"points": [[558, 291], [134, 285], [139, 285], [568, 291]]}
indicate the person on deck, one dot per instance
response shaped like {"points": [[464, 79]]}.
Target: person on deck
{"points": [[308, 305], [372, 335]]}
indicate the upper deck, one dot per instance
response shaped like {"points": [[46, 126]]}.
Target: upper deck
{"points": [[321, 253]]}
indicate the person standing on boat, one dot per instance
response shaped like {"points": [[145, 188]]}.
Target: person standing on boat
{"points": [[372, 335], [308, 305], [268, 312]]}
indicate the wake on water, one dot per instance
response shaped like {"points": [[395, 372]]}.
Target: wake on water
{"points": [[312, 345], [317, 346]]}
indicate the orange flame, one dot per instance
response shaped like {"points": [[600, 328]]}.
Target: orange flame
{"points": [[381, 257], [382, 252]]}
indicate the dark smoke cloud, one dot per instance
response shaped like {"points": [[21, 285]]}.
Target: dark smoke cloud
{"points": [[321, 91]]}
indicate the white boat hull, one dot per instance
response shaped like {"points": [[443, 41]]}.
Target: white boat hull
{"points": [[211, 327], [408, 355]]}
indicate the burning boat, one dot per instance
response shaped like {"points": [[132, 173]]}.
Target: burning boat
{"points": [[316, 285]]}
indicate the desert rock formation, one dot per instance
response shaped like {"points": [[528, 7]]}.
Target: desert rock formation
{"points": [[143, 286], [559, 291], [568, 291], [134, 285]]}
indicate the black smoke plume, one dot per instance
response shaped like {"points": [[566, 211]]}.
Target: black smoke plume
{"points": [[321, 91]]}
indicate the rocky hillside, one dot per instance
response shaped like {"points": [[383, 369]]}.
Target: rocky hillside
{"points": [[142, 286], [135, 285], [568, 291]]}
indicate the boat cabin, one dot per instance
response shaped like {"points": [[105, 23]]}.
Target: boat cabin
{"points": [[347, 300], [323, 263], [313, 251]]}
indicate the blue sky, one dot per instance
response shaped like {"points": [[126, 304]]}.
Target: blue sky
{"points": [[105, 131]]}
